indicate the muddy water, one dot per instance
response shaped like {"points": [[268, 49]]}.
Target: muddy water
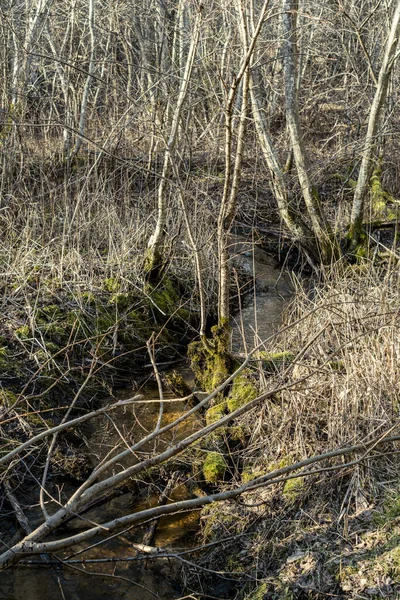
{"points": [[261, 315], [136, 578]]}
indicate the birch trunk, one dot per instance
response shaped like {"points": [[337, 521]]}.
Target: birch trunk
{"points": [[389, 59], [233, 172], [298, 229], [318, 222], [154, 259], [89, 79]]}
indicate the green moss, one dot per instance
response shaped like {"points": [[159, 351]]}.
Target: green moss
{"points": [[237, 436], [215, 441], [56, 332], [214, 467], [50, 312], [215, 413], [361, 252], [165, 295], [52, 348], [249, 473], [23, 332], [217, 522], [121, 301], [104, 321], [391, 509], [211, 362], [379, 196], [293, 488], [337, 365], [110, 284], [7, 397], [243, 391], [88, 298], [272, 360], [258, 594]]}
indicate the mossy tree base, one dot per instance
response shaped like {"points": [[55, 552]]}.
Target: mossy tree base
{"points": [[211, 360]]}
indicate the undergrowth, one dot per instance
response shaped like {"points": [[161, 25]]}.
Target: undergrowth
{"points": [[333, 532]]}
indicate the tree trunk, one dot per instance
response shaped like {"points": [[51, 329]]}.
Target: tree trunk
{"points": [[356, 228], [319, 223], [154, 259]]}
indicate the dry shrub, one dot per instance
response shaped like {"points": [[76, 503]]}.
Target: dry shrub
{"points": [[344, 334]]}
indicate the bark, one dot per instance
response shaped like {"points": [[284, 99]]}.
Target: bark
{"points": [[389, 59], [154, 259], [233, 172], [319, 223], [89, 79]]}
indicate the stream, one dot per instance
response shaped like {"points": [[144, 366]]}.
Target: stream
{"points": [[138, 578]]}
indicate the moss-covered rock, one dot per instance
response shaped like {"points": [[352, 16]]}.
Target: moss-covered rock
{"points": [[243, 391], [215, 413], [214, 467]]}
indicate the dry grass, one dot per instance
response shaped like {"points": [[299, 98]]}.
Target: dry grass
{"points": [[347, 345], [303, 538]]}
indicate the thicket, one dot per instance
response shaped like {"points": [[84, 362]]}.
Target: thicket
{"points": [[135, 138]]}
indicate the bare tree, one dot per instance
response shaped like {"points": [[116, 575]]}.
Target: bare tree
{"points": [[155, 259], [389, 59]]}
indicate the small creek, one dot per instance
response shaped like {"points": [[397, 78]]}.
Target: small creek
{"points": [[147, 579]]}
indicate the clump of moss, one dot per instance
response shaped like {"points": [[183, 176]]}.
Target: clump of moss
{"points": [[110, 284], [293, 488], [23, 332], [258, 594], [7, 397], [211, 362], [215, 413], [214, 467], [243, 391], [272, 360]]}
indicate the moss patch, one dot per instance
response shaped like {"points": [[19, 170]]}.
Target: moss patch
{"points": [[211, 362], [214, 467], [215, 413], [243, 391], [164, 296], [293, 488]]}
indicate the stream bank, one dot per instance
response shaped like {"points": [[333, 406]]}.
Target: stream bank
{"points": [[102, 438]]}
